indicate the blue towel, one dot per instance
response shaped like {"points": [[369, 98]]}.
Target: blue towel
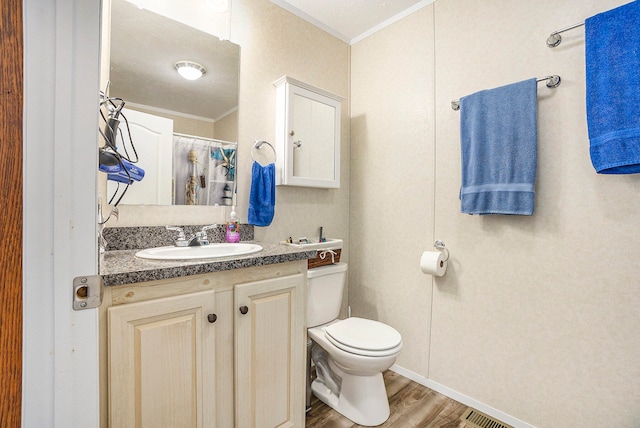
{"points": [[499, 140], [612, 51], [262, 198]]}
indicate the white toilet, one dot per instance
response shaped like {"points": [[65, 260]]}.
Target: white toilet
{"points": [[350, 355]]}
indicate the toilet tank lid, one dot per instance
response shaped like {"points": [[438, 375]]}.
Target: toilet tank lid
{"points": [[326, 270]]}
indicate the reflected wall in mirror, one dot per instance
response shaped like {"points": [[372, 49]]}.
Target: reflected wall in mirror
{"points": [[307, 135], [144, 46]]}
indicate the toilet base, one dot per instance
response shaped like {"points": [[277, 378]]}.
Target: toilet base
{"points": [[363, 399]]}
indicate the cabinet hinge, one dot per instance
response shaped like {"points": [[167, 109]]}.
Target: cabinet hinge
{"points": [[87, 292]]}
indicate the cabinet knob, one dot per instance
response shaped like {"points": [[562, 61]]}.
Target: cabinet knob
{"points": [[244, 310], [212, 318]]}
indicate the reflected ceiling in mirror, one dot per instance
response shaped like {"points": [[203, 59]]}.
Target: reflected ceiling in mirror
{"points": [[144, 48]]}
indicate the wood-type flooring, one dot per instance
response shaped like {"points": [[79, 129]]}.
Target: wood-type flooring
{"points": [[412, 405]]}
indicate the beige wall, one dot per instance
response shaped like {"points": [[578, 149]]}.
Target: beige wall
{"points": [[536, 316], [392, 180], [275, 43], [226, 128]]}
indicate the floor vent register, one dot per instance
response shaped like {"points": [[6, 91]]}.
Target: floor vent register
{"points": [[476, 419]]}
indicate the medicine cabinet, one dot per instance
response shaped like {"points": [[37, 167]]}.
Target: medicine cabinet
{"points": [[307, 135]]}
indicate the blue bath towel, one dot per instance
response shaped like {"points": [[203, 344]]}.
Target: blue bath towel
{"points": [[262, 198], [612, 51], [499, 141]]}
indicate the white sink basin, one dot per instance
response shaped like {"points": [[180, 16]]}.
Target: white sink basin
{"points": [[194, 253]]}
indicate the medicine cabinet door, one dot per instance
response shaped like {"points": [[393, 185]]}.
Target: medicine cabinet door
{"points": [[308, 139]]}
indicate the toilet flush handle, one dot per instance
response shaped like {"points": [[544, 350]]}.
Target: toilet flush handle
{"points": [[244, 310]]}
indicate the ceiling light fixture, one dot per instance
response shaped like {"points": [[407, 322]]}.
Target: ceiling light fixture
{"points": [[190, 70]]}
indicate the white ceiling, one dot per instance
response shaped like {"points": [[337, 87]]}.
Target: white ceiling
{"points": [[144, 75], [351, 20]]}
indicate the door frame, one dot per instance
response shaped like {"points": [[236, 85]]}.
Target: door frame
{"points": [[61, 86], [11, 77]]}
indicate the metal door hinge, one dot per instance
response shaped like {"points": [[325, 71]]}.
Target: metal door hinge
{"points": [[87, 292]]}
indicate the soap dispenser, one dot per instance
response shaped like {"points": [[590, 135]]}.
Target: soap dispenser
{"points": [[233, 228]]}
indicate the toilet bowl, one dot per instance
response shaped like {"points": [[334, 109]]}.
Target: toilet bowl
{"points": [[350, 355]]}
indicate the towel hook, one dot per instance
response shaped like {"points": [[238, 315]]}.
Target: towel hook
{"points": [[257, 145], [440, 246]]}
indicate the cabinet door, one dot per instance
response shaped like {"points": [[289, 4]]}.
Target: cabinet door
{"points": [[307, 135], [161, 363], [270, 353]]}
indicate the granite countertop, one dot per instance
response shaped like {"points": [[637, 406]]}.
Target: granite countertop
{"points": [[121, 267]]}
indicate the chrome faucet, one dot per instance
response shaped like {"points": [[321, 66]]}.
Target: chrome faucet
{"points": [[181, 240], [196, 240], [201, 238]]}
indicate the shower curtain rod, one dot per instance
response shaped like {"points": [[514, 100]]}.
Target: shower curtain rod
{"points": [[552, 82]]}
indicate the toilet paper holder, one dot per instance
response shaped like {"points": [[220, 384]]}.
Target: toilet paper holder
{"points": [[440, 246]]}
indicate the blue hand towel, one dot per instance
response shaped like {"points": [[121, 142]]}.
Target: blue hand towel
{"points": [[262, 198], [499, 141], [612, 51]]}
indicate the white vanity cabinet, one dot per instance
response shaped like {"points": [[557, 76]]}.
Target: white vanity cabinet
{"points": [[268, 351], [220, 350], [162, 362]]}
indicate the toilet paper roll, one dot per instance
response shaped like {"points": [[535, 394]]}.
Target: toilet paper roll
{"points": [[433, 263]]}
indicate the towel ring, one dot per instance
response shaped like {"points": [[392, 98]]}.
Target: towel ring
{"points": [[257, 145]]}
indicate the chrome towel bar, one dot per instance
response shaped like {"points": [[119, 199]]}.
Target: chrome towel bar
{"points": [[552, 82], [555, 38]]}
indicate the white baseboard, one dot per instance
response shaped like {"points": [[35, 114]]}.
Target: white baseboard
{"points": [[461, 398]]}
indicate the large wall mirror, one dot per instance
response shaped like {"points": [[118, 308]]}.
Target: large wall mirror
{"points": [[184, 131]]}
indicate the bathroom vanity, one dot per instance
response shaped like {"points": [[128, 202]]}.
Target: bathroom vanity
{"points": [[215, 343]]}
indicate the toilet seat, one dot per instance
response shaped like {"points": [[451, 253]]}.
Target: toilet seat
{"points": [[364, 337]]}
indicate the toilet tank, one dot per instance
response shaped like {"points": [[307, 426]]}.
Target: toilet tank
{"points": [[324, 293]]}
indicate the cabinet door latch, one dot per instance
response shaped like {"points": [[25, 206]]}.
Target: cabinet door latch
{"points": [[87, 292]]}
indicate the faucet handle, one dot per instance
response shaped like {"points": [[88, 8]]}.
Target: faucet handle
{"points": [[212, 226], [181, 240], [202, 235]]}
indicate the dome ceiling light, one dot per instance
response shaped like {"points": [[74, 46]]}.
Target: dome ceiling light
{"points": [[190, 70]]}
